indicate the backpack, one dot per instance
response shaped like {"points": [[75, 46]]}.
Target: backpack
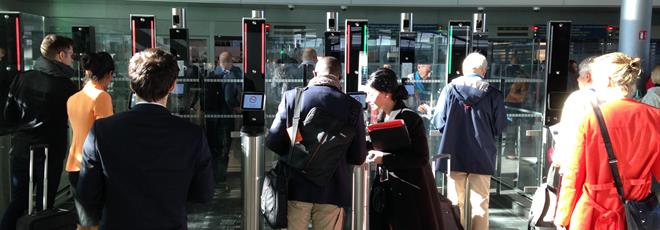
{"points": [[325, 142]]}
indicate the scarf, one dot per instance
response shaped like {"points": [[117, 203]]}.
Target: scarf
{"points": [[326, 80]]}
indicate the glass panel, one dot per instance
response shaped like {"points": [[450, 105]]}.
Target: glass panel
{"points": [[516, 68]]}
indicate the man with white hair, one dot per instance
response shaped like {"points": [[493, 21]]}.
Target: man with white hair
{"points": [[470, 115]]}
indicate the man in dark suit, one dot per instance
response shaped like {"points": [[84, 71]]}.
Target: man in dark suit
{"points": [[308, 201], [140, 167]]}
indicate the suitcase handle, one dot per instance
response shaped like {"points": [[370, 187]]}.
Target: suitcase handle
{"points": [[31, 188]]}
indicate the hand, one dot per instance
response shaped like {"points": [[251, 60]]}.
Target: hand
{"points": [[375, 156], [423, 108]]}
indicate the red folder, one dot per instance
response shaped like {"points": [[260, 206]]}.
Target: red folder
{"points": [[389, 136]]}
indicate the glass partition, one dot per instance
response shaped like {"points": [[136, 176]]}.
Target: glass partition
{"points": [[517, 69]]}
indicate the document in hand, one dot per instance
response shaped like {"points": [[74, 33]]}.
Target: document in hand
{"points": [[390, 135]]}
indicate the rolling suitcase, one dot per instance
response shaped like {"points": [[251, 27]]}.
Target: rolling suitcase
{"points": [[450, 212], [51, 219]]}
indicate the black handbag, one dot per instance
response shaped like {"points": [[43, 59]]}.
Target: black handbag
{"points": [[642, 214], [275, 189]]}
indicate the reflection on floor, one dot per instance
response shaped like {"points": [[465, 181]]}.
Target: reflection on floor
{"points": [[224, 213]]}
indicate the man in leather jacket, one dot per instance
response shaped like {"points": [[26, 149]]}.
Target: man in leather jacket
{"points": [[37, 101]]}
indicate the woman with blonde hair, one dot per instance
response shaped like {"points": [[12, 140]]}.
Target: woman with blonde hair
{"points": [[588, 196], [652, 96], [86, 106]]}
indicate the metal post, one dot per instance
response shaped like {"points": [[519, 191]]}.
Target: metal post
{"points": [[635, 31], [253, 158], [360, 211]]}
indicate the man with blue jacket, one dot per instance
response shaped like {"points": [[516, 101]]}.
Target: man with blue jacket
{"points": [[322, 205], [470, 115]]}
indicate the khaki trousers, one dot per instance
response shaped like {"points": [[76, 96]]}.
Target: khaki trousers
{"points": [[479, 196], [323, 216]]}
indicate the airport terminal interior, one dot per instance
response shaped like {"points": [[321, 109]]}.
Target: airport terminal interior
{"points": [[528, 45]]}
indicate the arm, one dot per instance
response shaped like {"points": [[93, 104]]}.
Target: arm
{"points": [[102, 106], [201, 185], [418, 154], [572, 181], [357, 152], [278, 139], [91, 182], [439, 119], [232, 91]]}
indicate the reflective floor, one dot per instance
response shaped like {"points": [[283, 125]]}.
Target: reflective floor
{"points": [[507, 211]]}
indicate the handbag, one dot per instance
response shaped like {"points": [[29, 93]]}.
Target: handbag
{"points": [[544, 203], [275, 189], [642, 214]]}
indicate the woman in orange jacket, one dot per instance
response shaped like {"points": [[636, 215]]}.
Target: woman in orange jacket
{"points": [[83, 108], [588, 198]]}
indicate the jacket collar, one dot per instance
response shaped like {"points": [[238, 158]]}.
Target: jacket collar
{"points": [[53, 68], [150, 108]]}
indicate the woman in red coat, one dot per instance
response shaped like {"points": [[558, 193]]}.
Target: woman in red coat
{"points": [[588, 198]]}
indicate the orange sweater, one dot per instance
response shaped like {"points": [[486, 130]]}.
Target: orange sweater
{"points": [[84, 108], [588, 198]]}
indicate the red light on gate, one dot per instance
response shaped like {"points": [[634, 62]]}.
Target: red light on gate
{"points": [[610, 28], [267, 27], [535, 28]]}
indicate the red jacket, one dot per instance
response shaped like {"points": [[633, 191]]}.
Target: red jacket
{"points": [[588, 197]]}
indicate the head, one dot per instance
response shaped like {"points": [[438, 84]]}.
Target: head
{"points": [[152, 74], [616, 71], [387, 66], [328, 66], [225, 60], [57, 48], [655, 75], [309, 54], [424, 71], [572, 66], [584, 76], [475, 63], [513, 60], [384, 91], [98, 66]]}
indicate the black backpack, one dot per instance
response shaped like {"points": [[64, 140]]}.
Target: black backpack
{"points": [[325, 143]]}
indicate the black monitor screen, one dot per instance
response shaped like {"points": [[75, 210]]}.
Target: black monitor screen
{"points": [[360, 97]]}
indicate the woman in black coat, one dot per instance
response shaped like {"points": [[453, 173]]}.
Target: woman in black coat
{"points": [[409, 193]]}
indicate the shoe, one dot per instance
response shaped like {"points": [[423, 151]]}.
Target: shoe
{"points": [[511, 157]]}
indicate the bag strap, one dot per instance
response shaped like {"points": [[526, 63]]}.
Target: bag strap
{"points": [[296, 118], [610, 152]]}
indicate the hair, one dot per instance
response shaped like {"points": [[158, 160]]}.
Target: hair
{"points": [[99, 64], [330, 65], [655, 75], [53, 44], [625, 72], [308, 54], [585, 65], [473, 62], [152, 73], [385, 80]]}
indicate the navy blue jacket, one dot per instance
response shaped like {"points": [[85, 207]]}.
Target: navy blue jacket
{"points": [[330, 99], [141, 166], [470, 116]]}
